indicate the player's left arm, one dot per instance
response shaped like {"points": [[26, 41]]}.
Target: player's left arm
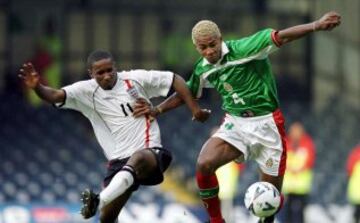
{"points": [[185, 94], [327, 22], [182, 95]]}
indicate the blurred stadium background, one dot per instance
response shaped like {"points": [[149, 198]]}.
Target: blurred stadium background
{"points": [[48, 156]]}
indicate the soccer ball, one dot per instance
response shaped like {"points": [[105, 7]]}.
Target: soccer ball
{"points": [[262, 199]]}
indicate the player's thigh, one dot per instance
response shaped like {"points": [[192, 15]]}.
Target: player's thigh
{"points": [[110, 212], [144, 163], [215, 153]]}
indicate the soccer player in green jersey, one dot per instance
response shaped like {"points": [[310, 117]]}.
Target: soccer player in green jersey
{"points": [[253, 127]]}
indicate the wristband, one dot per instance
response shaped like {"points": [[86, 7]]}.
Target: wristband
{"points": [[158, 109]]}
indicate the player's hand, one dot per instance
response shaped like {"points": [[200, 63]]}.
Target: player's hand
{"points": [[201, 115], [328, 21], [143, 107], [29, 75]]}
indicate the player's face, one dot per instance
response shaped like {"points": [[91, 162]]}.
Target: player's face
{"points": [[209, 47], [104, 72]]}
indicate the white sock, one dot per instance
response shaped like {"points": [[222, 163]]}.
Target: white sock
{"points": [[118, 185]]}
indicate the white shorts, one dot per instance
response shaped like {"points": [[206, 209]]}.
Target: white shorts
{"points": [[261, 138]]}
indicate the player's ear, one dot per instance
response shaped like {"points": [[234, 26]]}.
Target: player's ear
{"points": [[90, 73]]}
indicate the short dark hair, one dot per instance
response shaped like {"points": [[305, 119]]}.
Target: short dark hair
{"points": [[98, 55]]}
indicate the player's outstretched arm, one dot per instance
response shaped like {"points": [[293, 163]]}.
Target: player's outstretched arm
{"points": [[31, 79], [327, 22]]}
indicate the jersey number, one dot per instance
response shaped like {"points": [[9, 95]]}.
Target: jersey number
{"points": [[237, 99], [125, 107]]}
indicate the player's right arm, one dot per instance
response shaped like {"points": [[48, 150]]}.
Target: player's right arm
{"points": [[31, 79]]}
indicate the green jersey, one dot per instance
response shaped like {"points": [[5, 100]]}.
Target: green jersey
{"points": [[243, 75]]}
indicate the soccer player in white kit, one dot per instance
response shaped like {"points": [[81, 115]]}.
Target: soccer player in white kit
{"points": [[132, 145]]}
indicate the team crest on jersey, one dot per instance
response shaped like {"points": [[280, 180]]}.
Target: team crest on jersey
{"points": [[132, 91], [227, 87], [269, 163]]}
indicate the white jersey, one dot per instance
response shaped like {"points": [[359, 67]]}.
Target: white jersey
{"points": [[110, 111]]}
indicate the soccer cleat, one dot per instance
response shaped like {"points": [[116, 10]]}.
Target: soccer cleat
{"points": [[90, 202]]}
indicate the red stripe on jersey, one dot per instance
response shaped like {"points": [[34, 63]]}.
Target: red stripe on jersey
{"points": [[128, 84], [147, 132], [148, 120], [280, 122], [275, 38]]}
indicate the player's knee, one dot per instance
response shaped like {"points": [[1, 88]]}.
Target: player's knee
{"points": [[205, 165], [143, 160]]}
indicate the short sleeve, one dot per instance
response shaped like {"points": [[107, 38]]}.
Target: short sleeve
{"points": [[197, 83], [194, 85], [76, 96], [155, 83]]}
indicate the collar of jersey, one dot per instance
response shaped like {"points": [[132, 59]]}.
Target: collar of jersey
{"points": [[224, 51]]}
